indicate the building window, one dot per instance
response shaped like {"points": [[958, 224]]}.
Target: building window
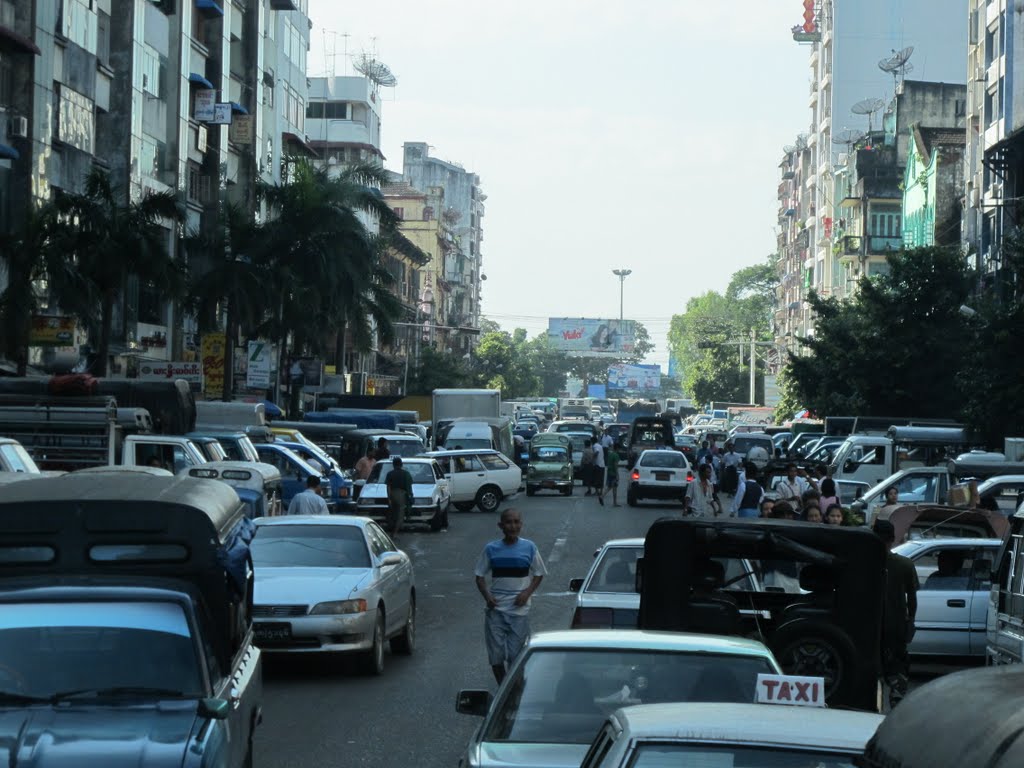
{"points": [[7, 13], [428, 213], [400, 213], [103, 38], [268, 95], [336, 110], [6, 82], [315, 110], [990, 111]]}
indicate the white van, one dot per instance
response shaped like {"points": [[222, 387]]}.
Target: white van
{"points": [[470, 435]]}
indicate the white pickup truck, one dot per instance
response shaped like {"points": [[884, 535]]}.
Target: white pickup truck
{"points": [[872, 458]]}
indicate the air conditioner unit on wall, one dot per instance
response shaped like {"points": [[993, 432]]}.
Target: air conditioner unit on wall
{"points": [[17, 127]]}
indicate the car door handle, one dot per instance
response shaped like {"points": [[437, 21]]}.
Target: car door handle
{"points": [[956, 603], [480, 474]]}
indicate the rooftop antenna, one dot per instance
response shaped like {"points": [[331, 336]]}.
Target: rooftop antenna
{"points": [[376, 72], [897, 65], [801, 141], [868, 107]]}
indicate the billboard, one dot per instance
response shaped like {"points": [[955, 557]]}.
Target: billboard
{"points": [[592, 337], [637, 378], [52, 331], [176, 369], [213, 351]]}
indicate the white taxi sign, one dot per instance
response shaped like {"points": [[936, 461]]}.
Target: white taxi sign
{"points": [[790, 689]]}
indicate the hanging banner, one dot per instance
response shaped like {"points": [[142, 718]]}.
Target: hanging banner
{"points": [[257, 375], [213, 348], [221, 114], [241, 131], [204, 105]]}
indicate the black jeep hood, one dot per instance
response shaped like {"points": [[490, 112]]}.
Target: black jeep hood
{"points": [[108, 736]]}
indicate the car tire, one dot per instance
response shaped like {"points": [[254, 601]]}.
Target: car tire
{"points": [[465, 506], [405, 643], [816, 649], [530, 490], [437, 521], [372, 660], [488, 498], [631, 498]]}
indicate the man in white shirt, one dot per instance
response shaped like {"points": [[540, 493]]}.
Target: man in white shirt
{"points": [[793, 487], [598, 467], [607, 441], [700, 495], [309, 502], [749, 493]]}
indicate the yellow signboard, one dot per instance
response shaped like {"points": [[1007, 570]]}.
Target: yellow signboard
{"points": [[213, 349], [52, 331]]}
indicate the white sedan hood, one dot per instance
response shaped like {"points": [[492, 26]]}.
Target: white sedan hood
{"points": [[293, 585], [380, 491]]}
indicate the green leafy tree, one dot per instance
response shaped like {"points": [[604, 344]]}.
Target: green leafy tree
{"points": [[498, 356], [111, 241], [437, 370], [896, 347]]}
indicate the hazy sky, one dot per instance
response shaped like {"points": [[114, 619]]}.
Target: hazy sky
{"points": [[606, 134]]}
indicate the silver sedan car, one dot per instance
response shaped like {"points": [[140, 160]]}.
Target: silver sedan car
{"points": [[332, 584]]}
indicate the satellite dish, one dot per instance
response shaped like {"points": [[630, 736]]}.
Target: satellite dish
{"points": [[868, 107], [896, 64], [375, 71], [848, 136], [789, 149], [801, 141]]}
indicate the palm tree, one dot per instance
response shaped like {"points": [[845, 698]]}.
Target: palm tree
{"points": [[29, 254], [109, 242], [232, 278]]}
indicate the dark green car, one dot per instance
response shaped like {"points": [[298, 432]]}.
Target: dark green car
{"points": [[550, 466]]}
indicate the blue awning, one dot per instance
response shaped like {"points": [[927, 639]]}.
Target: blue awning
{"points": [[199, 80], [8, 153], [210, 7], [236, 107]]}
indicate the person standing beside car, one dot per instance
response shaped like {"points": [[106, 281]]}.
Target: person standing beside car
{"points": [[515, 569], [365, 465], [309, 501], [587, 467], [599, 468], [700, 499], [399, 485], [898, 612], [749, 493]]}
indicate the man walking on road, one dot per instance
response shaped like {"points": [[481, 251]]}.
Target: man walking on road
{"points": [[399, 485], [598, 468], [587, 467], [699, 499], [612, 460], [516, 569], [309, 502]]}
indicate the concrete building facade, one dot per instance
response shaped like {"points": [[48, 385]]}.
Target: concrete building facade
{"points": [[933, 187]]}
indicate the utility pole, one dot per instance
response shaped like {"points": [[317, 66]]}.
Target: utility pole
{"points": [[622, 274], [753, 365]]}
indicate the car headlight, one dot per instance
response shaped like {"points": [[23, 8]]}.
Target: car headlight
{"points": [[338, 607], [531, 470], [365, 502]]}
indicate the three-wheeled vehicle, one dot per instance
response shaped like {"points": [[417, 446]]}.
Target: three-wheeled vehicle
{"points": [[950, 723], [820, 611], [258, 484], [550, 464], [127, 635]]}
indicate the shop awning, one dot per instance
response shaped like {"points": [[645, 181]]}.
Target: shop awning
{"points": [[299, 143], [198, 79], [210, 7], [12, 41], [236, 107], [8, 152]]}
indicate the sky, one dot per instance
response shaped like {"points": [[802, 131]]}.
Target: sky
{"points": [[606, 134]]}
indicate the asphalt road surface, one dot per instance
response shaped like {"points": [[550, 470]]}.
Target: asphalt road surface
{"points": [[322, 712]]}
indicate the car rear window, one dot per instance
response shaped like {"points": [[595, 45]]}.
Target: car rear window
{"points": [[672, 459], [742, 444], [493, 461]]}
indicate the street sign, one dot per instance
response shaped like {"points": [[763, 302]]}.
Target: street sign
{"points": [[176, 369], [257, 374], [204, 105]]}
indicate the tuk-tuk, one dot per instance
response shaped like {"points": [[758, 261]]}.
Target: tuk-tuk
{"points": [[550, 465], [821, 609], [969, 718], [257, 484]]}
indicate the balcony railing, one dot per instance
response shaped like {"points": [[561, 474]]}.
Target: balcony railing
{"points": [[884, 244]]}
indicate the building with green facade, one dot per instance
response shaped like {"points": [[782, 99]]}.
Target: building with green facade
{"points": [[933, 184]]}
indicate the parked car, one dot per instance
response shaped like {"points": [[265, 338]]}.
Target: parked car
{"points": [[332, 584], [607, 597], [648, 432], [575, 425], [952, 603], [659, 474], [294, 472], [481, 479], [564, 684], [731, 735], [431, 493], [341, 488], [687, 445], [755, 447]]}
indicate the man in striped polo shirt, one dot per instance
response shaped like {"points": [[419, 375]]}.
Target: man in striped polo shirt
{"points": [[516, 569]]}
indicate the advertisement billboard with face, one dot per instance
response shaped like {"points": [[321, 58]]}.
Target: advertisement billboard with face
{"points": [[592, 337], [634, 378]]}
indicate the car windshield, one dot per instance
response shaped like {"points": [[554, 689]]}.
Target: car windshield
{"points": [[743, 443], [422, 474], [659, 755], [467, 443], [310, 546], [672, 459], [563, 695], [405, 448], [98, 648], [615, 572]]}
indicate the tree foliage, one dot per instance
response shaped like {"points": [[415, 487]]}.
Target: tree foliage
{"points": [[896, 347]]}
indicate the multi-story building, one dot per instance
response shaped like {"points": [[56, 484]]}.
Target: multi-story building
{"points": [[344, 120], [933, 187], [794, 257], [849, 40], [995, 142], [463, 213], [130, 86]]}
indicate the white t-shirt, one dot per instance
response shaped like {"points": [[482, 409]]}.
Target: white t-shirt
{"points": [[599, 455], [308, 503]]}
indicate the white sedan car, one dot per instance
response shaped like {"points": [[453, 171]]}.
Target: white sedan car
{"points": [[659, 474], [331, 583], [430, 490], [479, 478]]}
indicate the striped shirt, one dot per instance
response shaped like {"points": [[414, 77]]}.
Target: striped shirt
{"points": [[511, 568]]}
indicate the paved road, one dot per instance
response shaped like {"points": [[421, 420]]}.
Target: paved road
{"points": [[319, 713]]}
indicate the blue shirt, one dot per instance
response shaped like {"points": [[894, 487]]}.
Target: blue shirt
{"points": [[511, 568]]}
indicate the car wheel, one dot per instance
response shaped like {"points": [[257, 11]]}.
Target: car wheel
{"points": [[530, 490], [405, 643], [372, 661], [631, 498], [465, 506], [488, 498], [816, 649], [437, 521]]}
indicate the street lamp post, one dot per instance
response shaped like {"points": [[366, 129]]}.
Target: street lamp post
{"points": [[622, 274]]}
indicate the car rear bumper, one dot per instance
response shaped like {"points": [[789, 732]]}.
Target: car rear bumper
{"points": [[647, 491]]}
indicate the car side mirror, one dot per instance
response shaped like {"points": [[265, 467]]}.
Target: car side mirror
{"points": [[575, 585], [390, 558], [469, 702], [214, 708]]}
